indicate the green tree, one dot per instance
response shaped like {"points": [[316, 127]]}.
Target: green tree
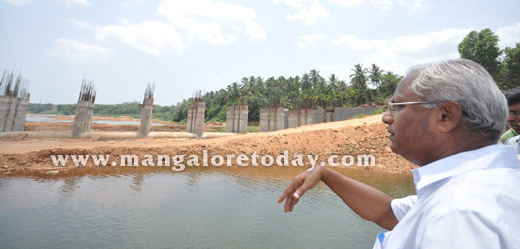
{"points": [[375, 78], [482, 47], [359, 79], [511, 67]]}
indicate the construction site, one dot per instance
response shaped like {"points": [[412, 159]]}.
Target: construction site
{"points": [[26, 146]]}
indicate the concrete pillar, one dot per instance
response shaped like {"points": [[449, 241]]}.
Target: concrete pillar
{"points": [[7, 110], [280, 119], [264, 120], [310, 115], [236, 118], [81, 118], [272, 119], [11, 112], [243, 112], [329, 115], [90, 116], [230, 117], [199, 118], [294, 118], [302, 120], [15, 102], [146, 117], [189, 119], [4, 111], [21, 114]]}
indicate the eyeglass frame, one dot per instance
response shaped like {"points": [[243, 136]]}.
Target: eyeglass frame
{"points": [[391, 110], [514, 113]]}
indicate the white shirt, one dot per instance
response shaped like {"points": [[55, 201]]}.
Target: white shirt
{"points": [[467, 200]]}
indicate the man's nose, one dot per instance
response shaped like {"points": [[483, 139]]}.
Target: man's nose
{"points": [[387, 118]]}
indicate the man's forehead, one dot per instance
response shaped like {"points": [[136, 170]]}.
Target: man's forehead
{"points": [[403, 90]]}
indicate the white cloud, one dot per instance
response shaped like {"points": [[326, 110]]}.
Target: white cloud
{"points": [[180, 23], [309, 17], [358, 44], [213, 22], [308, 10], [19, 3], [78, 51], [348, 3], [309, 40], [402, 52], [80, 24], [509, 36], [414, 5], [292, 3], [383, 4], [153, 37], [74, 2]]}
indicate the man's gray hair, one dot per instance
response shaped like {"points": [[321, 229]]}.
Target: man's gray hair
{"points": [[483, 105]]}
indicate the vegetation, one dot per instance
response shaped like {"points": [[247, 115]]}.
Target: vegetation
{"points": [[311, 90], [503, 65]]}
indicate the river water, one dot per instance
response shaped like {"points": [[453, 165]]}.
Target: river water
{"points": [[53, 119], [196, 208]]}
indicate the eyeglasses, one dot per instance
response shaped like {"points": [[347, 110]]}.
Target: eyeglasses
{"points": [[514, 113], [391, 105]]}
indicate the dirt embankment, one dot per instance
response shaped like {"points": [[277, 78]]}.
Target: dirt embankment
{"points": [[352, 137]]}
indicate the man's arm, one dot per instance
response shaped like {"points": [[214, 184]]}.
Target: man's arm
{"points": [[367, 202]]}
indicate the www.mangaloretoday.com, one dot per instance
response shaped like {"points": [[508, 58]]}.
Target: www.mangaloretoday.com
{"points": [[180, 162]]}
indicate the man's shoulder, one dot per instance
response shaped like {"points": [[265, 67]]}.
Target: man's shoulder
{"points": [[508, 134], [480, 191]]}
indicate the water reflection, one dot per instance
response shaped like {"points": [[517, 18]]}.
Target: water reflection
{"points": [[228, 207]]}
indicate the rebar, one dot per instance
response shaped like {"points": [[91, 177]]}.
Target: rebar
{"points": [[150, 89], [87, 93], [14, 88]]}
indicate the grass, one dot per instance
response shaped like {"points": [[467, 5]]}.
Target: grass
{"points": [[253, 128], [219, 129], [360, 116]]}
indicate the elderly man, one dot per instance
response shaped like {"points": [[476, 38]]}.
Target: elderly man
{"points": [[445, 117]]}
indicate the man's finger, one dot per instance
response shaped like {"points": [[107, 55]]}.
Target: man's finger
{"points": [[288, 191]]}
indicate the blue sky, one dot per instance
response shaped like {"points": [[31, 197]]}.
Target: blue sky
{"points": [[186, 46]]}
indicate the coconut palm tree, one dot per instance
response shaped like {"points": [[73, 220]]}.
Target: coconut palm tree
{"points": [[375, 78], [359, 79]]}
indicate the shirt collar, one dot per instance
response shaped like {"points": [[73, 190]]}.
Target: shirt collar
{"points": [[493, 156]]}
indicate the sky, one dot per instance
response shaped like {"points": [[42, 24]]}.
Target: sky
{"points": [[189, 45]]}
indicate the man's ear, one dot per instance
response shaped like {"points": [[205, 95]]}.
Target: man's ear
{"points": [[451, 116]]}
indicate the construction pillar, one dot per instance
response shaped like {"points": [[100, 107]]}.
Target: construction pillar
{"points": [[280, 119], [81, 118], [264, 120], [294, 118], [199, 118], [5, 108], [21, 113], [272, 119], [310, 116], [230, 118], [243, 112], [329, 115], [302, 120], [236, 118], [146, 117], [189, 119]]}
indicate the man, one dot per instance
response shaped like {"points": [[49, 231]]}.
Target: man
{"points": [[446, 117], [513, 119]]}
